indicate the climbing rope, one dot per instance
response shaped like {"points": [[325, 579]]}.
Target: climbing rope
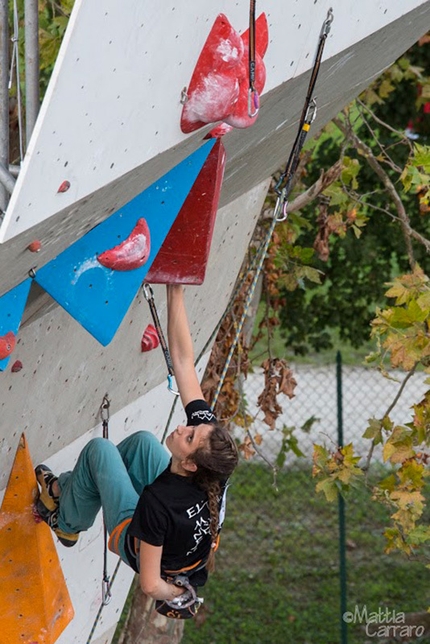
{"points": [[107, 582], [253, 98], [280, 214]]}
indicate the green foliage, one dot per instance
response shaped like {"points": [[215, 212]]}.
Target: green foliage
{"points": [[363, 244], [53, 20], [277, 567]]}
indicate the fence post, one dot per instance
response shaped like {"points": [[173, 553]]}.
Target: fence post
{"points": [[341, 508]]}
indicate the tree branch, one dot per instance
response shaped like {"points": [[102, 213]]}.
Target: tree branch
{"points": [[389, 410], [326, 179], [367, 153]]}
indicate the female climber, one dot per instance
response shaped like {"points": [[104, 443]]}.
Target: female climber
{"points": [[163, 514]]}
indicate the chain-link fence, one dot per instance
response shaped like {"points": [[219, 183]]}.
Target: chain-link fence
{"points": [[292, 567]]}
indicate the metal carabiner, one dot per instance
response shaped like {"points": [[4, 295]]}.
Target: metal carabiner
{"points": [[253, 98], [104, 408], [281, 204], [148, 292], [170, 385], [311, 112], [327, 23], [106, 592]]}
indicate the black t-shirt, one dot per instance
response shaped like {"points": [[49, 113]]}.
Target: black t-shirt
{"points": [[173, 512]]}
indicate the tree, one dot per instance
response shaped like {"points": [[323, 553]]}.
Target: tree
{"points": [[353, 230]]}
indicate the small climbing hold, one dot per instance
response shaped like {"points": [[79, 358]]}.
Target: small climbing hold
{"points": [[219, 131], [64, 186], [17, 366], [34, 246], [7, 344], [132, 252], [150, 339]]}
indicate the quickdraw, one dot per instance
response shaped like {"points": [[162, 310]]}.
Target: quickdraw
{"points": [[106, 583], [279, 214], [253, 98], [307, 118], [149, 296]]}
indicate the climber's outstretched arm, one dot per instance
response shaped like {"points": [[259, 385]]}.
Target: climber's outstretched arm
{"points": [[181, 345]]}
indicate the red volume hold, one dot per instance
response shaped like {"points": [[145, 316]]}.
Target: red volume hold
{"points": [[132, 252], [150, 339]]}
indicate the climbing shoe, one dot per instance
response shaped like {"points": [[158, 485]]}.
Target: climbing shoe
{"points": [[46, 480], [51, 518], [47, 506]]}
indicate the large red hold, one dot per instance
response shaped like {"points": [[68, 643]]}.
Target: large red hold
{"points": [[219, 86], [182, 259], [132, 252], [214, 86]]}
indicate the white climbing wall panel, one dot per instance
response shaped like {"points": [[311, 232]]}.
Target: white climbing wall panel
{"points": [[114, 98]]}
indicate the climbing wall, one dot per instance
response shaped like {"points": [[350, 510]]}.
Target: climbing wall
{"points": [[111, 141]]}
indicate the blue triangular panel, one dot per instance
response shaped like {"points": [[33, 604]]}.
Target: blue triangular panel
{"points": [[12, 305], [98, 297]]}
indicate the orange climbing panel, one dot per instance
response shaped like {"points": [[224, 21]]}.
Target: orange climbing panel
{"points": [[34, 600], [183, 257]]}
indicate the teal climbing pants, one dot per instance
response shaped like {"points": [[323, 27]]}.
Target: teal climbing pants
{"points": [[110, 477]]}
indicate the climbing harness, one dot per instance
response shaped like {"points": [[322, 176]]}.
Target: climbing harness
{"points": [[184, 606], [280, 214], [149, 296], [253, 98]]}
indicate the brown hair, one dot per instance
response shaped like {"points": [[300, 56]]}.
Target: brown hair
{"points": [[215, 461]]}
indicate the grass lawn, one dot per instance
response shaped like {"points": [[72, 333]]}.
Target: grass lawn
{"points": [[277, 579]]}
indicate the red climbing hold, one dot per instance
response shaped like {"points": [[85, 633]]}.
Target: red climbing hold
{"points": [[34, 246], [219, 131], [183, 257], [17, 366], [64, 186], [219, 86], [132, 252], [214, 86], [239, 116], [7, 345], [150, 339]]}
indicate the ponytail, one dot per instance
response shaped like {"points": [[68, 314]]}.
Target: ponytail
{"points": [[215, 462]]}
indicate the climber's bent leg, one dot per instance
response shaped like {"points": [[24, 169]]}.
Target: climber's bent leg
{"points": [[144, 458], [99, 479]]}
